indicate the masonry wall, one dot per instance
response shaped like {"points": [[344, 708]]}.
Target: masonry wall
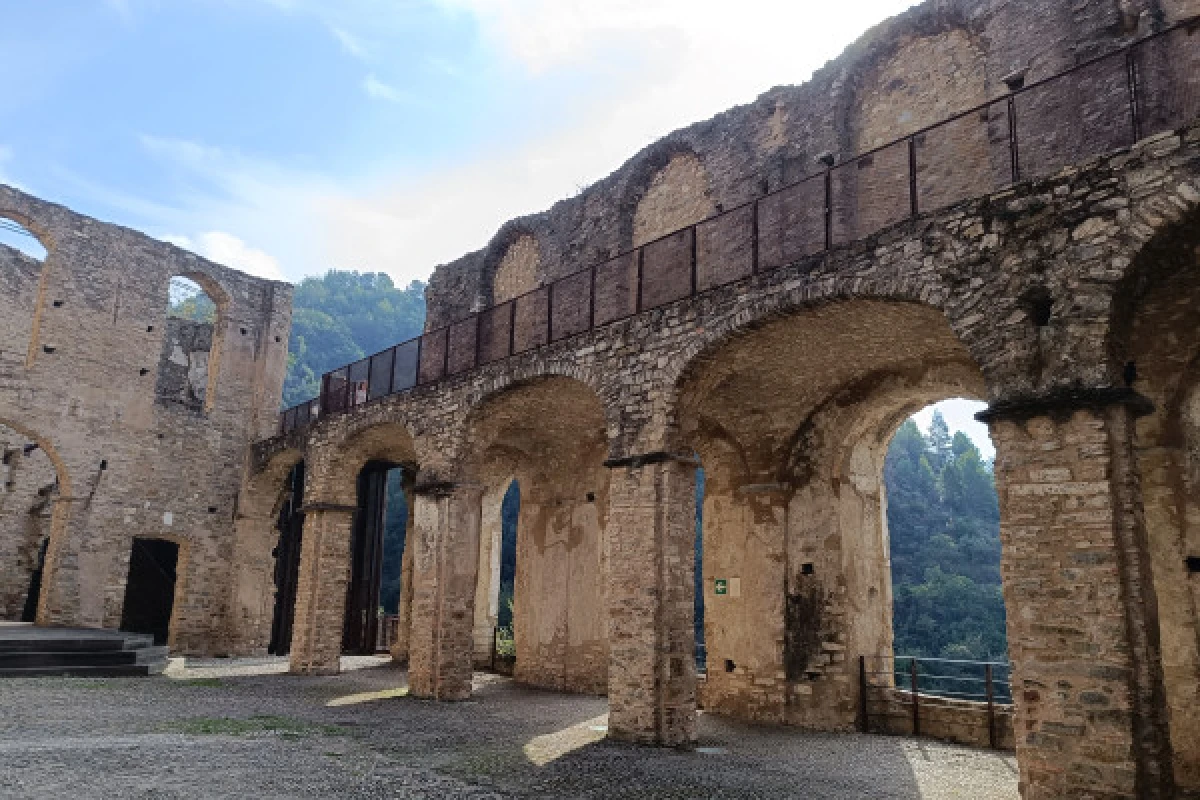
{"points": [[79, 375], [909, 71]]}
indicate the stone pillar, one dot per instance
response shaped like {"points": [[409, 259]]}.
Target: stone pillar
{"points": [[487, 585], [1082, 617], [650, 540], [445, 544], [65, 568], [321, 590], [399, 649]]}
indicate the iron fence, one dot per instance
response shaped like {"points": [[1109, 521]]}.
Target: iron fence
{"points": [[924, 684], [1096, 107]]}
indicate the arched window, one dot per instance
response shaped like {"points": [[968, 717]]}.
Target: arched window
{"points": [[22, 261], [187, 373]]}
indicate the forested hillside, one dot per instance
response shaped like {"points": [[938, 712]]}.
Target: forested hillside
{"points": [[942, 511]]}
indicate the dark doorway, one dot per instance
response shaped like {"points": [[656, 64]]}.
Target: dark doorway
{"points": [[287, 562], [29, 613], [150, 589], [360, 633]]}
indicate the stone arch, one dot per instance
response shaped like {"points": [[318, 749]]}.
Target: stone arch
{"points": [[550, 434], [512, 265], [333, 469], [1154, 354], [666, 190], [29, 278], [60, 501], [256, 536], [184, 353], [804, 397]]}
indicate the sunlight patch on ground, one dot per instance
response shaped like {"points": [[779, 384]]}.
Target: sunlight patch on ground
{"points": [[541, 750], [367, 697]]}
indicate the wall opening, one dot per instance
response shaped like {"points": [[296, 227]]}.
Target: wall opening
{"points": [[373, 595], [28, 491], [943, 530], [510, 511], [150, 588], [290, 526], [22, 268], [188, 364]]}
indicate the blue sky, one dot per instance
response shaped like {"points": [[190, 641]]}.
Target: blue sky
{"points": [[286, 137]]}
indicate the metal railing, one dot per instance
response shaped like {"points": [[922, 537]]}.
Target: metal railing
{"points": [[925, 683], [1096, 107]]}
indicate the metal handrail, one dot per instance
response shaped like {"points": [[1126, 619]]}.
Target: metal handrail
{"points": [[339, 393]]}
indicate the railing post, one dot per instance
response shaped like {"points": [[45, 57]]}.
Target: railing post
{"points": [[592, 298], [693, 289], [991, 706], [862, 694], [828, 208], [420, 346], [641, 259], [391, 387], [916, 713], [1013, 152], [754, 237], [549, 313], [912, 175], [512, 326], [370, 369], [446, 352], [1131, 72], [478, 335]]}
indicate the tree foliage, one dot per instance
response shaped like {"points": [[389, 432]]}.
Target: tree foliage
{"points": [[944, 524], [341, 317]]}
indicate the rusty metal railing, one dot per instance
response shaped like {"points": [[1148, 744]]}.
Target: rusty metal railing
{"points": [[1034, 130]]}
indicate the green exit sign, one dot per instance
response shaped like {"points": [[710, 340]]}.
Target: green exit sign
{"points": [[721, 586]]}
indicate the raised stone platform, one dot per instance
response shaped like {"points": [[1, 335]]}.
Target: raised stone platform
{"points": [[31, 651]]}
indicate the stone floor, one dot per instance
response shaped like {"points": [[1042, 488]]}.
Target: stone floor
{"points": [[241, 728]]}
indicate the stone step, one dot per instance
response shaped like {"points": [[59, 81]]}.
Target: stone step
{"points": [[75, 644], [71, 658], [29, 651], [115, 671]]}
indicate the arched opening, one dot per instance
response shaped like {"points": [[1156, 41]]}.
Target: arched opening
{"points": [[377, 579], [286, 575], [29, 490], [23, 257], [679, 194], [192, 340], [794, 550], [1156, 352], [538, 450]]}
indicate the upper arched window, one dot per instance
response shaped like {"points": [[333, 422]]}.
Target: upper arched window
{"points": [[187, 372], [22, 261], [15, 236]]}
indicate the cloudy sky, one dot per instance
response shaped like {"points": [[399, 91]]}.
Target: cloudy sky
{"points": [[286, 137]]}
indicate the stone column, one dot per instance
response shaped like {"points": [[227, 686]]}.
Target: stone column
{"points": [[445, 556], [650, 539], [1082, 616], [65, 569], [399, 648], [487, 586], [321, 589]]}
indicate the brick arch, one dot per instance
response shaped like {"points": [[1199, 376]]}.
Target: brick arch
{"points": [[332, 469], [512, 264], [644, 179]]}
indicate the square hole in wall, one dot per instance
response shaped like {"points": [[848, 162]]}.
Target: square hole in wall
{"points": [[806, 569], [1193, 564], [729, 665]]}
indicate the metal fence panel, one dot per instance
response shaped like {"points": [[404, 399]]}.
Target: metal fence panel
{"points": [[1167, 70], [725, 248], [531, 327], [791, 223], [871, 193], [381, 374], [405, 374], [572, 304], [433, 355], [963, 158], [667, 269], [462, 346], [616, 288], [495, 331]]}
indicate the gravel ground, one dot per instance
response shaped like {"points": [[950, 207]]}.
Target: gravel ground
{"points": [[242, 729]]}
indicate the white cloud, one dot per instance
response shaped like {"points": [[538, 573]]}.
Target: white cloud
{"points": [[384, 91], [225, 248], [349, 42]]}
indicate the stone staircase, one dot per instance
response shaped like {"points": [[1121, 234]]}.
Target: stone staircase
{"points": [[29, 651]]}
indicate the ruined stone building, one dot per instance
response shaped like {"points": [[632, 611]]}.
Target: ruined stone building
{"points": [[766, 294]]}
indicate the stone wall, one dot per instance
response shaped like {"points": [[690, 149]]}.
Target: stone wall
{"points": [[788, 386], [27, 497], [948, 719], [919, 67], [82, 341]]}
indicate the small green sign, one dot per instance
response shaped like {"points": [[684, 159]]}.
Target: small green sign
{"points": [[721, 586]]}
